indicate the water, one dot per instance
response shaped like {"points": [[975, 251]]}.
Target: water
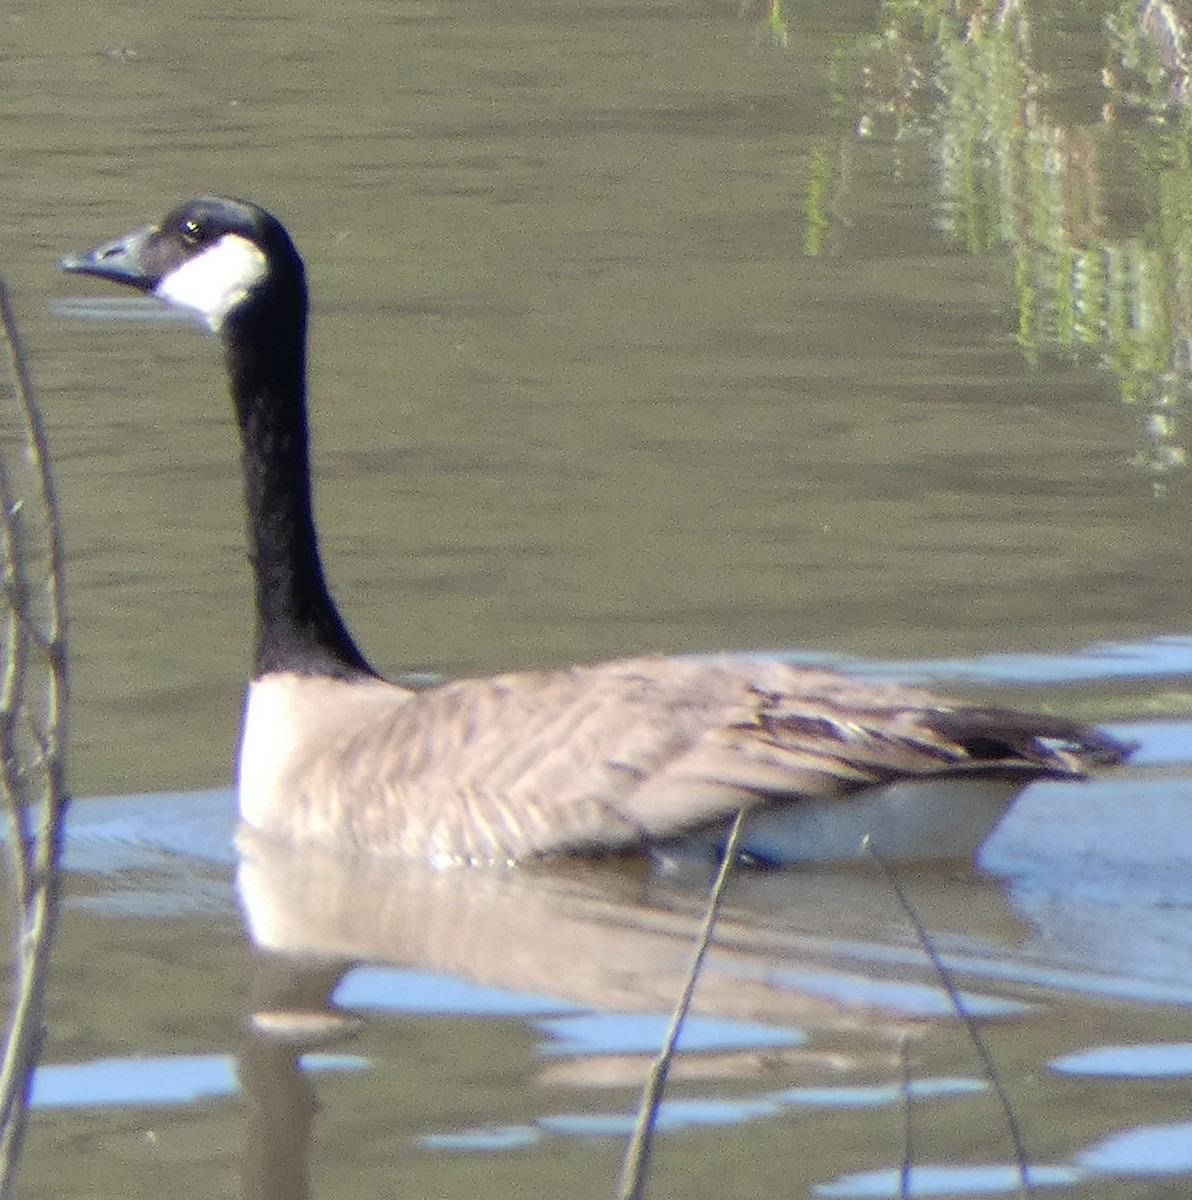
{"points": [[580, 391]]}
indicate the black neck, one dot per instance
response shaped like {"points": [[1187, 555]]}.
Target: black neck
{"points": [[298, 626]]}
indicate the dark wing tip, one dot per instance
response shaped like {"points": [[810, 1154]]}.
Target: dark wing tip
{"points": [[1050, 743]]}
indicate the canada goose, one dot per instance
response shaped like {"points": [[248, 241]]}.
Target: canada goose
{"points": [[591, 759]]}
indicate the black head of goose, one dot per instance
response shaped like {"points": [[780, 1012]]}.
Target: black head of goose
{"points": [[614, 757]]}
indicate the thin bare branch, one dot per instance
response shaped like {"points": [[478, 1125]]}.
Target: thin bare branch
{"points": [[631, 1185], [33, 726], [908, 1122], [1022, 1162]]}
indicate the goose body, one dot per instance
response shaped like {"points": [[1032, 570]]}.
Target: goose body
{"points": [[613, 757]]}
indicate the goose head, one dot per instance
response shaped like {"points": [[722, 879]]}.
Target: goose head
{"points": [[232, 264], [220, 259]]}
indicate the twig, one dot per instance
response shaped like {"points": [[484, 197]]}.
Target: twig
{"points": [[637, 1155], [908, 1119], [33, 733], [967, 1019]]}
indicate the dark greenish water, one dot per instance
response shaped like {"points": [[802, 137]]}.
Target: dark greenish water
{"points": [[635, 328]]}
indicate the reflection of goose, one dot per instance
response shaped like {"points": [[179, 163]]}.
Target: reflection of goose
{"points": [[809, 988], [598, 758], [796, 949]]}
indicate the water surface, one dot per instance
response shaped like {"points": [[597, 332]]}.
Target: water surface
{"points": [[636, 328]]}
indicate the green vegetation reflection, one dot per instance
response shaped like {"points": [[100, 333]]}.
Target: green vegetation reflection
{"points": [[1096, 212]]}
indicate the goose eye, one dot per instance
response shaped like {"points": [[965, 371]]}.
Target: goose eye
{"points": [[192, 233]]}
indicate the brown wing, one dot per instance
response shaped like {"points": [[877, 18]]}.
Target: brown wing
{"points": [[611, 756]]}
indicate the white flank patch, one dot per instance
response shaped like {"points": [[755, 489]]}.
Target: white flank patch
{"points": [[212, 283]]}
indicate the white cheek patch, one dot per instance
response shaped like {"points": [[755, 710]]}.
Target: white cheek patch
{"points": [[212, 283]]}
